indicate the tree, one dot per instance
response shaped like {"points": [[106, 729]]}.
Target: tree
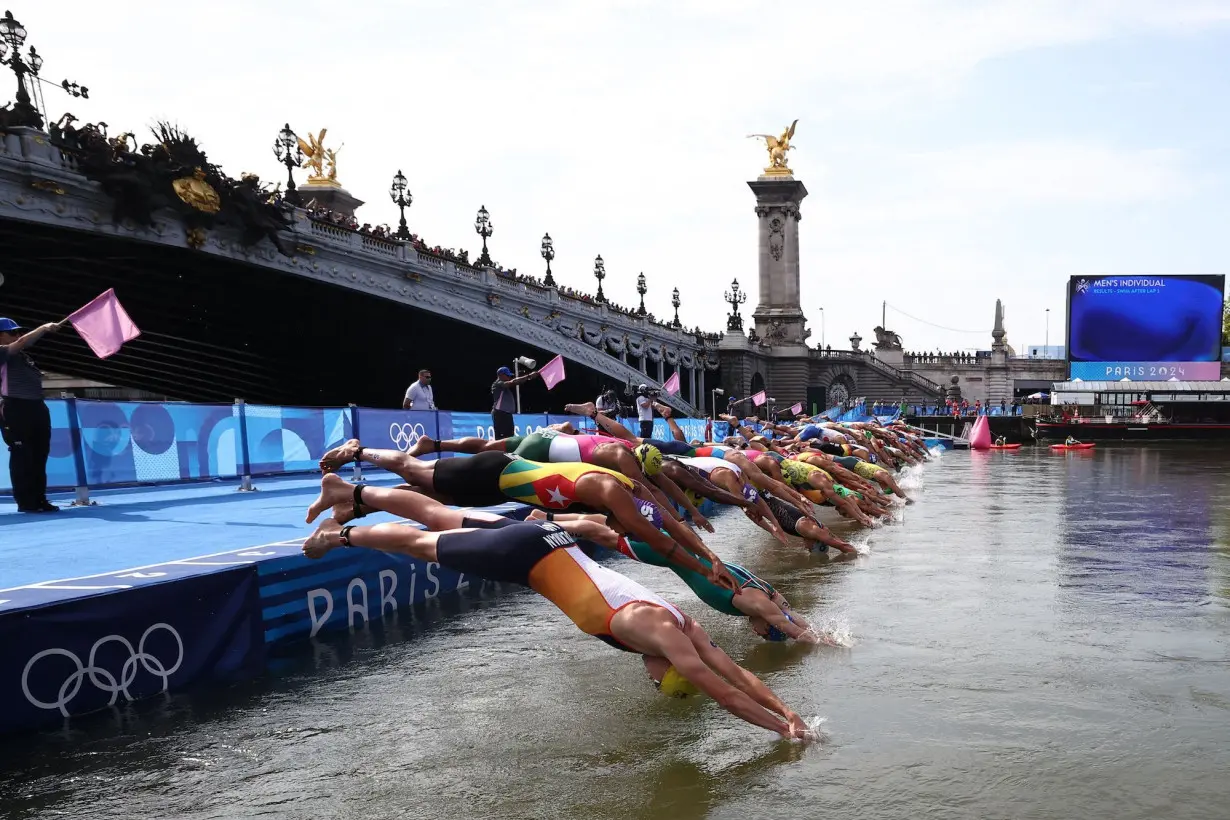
{"points": [[1225, 325]]}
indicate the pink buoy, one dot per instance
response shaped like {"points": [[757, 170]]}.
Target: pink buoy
{"points": [[980, 435]]}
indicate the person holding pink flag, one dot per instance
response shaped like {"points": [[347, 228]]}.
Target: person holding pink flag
{"points": [[25, 421]]}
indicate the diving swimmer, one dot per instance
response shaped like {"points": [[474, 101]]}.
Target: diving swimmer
{"points": [[546, 558]]}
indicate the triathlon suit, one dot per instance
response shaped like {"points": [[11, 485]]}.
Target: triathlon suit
{"points": [[715, 596], [773, 454], [493, 478], [707, 464], [849, 462], [671, 448], [786, 514], [709, 452], [798, 473], [544, 557], [552, 446]]}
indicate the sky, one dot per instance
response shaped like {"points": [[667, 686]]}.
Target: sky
{"points": [[955, 152]]}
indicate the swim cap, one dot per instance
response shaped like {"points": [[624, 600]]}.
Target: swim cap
{"points": [[696, 498], [674, 685], [650, 458], [749, 492]]}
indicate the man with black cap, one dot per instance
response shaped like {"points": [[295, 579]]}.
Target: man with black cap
{"points": [[503, 403], [24, 419]]}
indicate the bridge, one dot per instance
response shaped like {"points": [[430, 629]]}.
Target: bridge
{"points": [[336, 316]]}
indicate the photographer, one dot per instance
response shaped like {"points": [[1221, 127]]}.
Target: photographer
{"points": [[608, 403], [644, 409]]}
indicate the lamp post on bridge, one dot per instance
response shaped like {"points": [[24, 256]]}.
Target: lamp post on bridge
{"points": [[12, 36], [399, 192], [675, 305], [734, 298], [548, 253], [599, 274], [286, 149], [822, 328], [641, 289], [483, 227]]}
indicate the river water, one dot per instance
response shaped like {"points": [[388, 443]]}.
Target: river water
{"points": [[1042, 635]]}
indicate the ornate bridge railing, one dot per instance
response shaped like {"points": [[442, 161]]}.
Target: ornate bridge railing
{"points": [[39, 183]]}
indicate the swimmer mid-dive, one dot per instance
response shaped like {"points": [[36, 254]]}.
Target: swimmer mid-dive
{"points": [[768, 613], [677, 652]]}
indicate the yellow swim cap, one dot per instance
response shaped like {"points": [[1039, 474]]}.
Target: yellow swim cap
{"points": [[650, 459], [674, 685]]}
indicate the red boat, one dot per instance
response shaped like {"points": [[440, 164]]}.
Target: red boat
{"points": [[1005, 446], [1087, 446]]}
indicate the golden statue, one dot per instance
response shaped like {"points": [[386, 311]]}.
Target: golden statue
{"points": [[777, 146], [314, 155], [331, 160]]}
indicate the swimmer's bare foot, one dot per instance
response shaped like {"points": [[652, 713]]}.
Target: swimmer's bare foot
{"points": [[588, 409], [343, 513], [425, 445], [326, 537], [339, 456], [333, 490]]}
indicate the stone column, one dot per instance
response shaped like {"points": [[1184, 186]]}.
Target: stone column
{"points": [[779, 315], [662, 367]]}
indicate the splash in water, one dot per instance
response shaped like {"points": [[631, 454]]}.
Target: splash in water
{"points": [[833, 632], [815, 730]]}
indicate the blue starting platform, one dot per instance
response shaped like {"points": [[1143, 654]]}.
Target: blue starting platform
{"points": [[160, 588]]}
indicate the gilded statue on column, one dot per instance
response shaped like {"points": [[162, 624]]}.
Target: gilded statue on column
{"points": [[777, 147], [316, 157]]}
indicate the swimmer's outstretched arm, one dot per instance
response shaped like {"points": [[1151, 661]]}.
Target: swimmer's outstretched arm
{"points": [[745, 681], [687, 477], [763, 607], [666, 485], [626, 511]]}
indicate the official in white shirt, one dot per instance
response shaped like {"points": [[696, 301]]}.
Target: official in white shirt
{"points": [[644, 410], [419, 395]]}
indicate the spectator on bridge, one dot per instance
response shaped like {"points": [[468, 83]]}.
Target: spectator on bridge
{"points": [[503, 403], [24, 419], [419, 395]]}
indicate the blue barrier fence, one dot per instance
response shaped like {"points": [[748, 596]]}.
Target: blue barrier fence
{"points": [[102, 444]]}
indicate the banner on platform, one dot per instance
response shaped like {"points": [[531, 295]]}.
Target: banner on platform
{"points": [[106, 651]]}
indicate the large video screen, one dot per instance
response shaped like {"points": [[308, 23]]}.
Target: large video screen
{"points": [[1145, 327]]}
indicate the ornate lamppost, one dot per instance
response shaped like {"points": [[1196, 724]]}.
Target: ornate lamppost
{"points": [[855, 341], [734, 298], [599, 274], [286, 149], [675, 304], [12, 36], [641, 289], [402, 198], [548, 253], [482, 227]]}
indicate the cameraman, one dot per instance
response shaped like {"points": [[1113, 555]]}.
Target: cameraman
{"points": [[608, 403], [644, 409]]}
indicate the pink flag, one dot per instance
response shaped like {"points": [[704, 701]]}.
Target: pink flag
{"points": [[672, 384], [104, 325], [759, 398], [552, 372], [796, 409]]}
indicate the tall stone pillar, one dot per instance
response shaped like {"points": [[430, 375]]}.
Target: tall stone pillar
{"points": [[779, 315]]}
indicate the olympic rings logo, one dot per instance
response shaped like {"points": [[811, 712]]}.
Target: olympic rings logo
{"points": [[405, 436], [102, 678]]}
